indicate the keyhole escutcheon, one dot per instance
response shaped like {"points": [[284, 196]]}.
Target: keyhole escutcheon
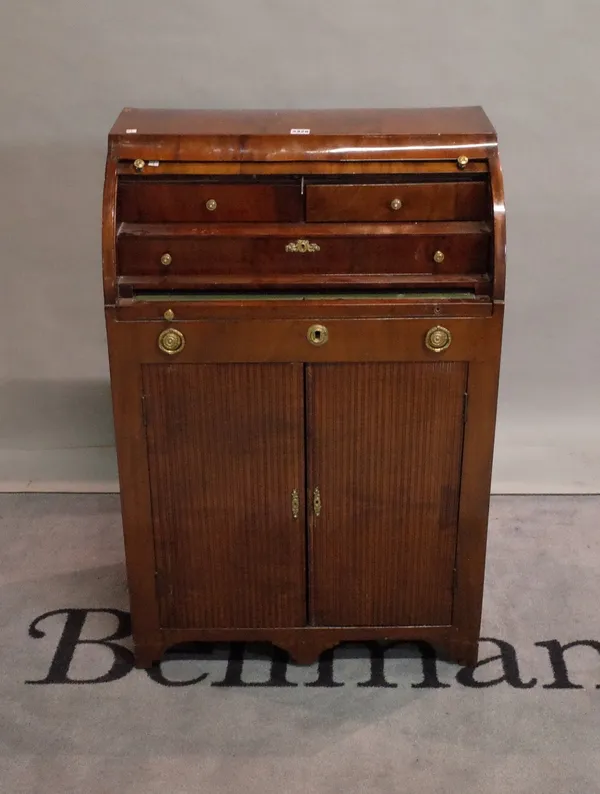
{"points": [[317, 335]]}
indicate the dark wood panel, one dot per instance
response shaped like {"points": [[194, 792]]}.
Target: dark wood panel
{"points": [[291, 231], [499, 237], [236, 307], [385, 445], [132, 456], [225, 446], [362, 167], [267, 255], [267, 135], [478, 283], [337, 122], [444, 201], [306, 644], [264, 340], [140, 201]]}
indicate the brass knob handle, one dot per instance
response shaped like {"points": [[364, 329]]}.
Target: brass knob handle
{"points": [[171, 341], [463, 161], [317, 335], [139, 165], [439, 257], [302, 247], [169, 315], [166, 260], [395, 204], [211, 205], [438, 339]]}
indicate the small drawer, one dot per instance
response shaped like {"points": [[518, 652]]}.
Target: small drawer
{"points": [[434, 201], [141, 201], [278, 255]]}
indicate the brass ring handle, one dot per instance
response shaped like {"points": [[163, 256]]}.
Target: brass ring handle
{"points": [[211, 205], [166, 259], [302, 247], [438, 339], [171, 341], [317, 335], [395, 204], [139, 165]]}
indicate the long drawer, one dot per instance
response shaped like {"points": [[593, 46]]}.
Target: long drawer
{"points": [[463, 251]]}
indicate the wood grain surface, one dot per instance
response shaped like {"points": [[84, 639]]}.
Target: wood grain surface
{"points": [[225, 448], [443, 201], [384, 449], [223, 255]]}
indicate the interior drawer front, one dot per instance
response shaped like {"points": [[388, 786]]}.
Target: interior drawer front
{"points": [[435, 254], [440, 201], [172, 202]]}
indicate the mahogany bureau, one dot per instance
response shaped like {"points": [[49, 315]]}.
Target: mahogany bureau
{"points": [[304, 315]]}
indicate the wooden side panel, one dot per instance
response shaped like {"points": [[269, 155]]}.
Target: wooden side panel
{"points": [[385, 445], [225, 445]]}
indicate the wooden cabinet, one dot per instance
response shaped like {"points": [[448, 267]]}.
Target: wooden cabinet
{"points": [[304, 382]]}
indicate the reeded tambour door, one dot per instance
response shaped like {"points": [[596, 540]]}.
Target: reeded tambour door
{"points": [[226, 465], [384, 450]]}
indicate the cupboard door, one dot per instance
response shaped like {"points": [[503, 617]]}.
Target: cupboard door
{"points": [[226, 451], [385, 448]]}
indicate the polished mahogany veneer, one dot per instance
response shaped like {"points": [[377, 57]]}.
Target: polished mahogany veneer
{"points": [[304, 318]]}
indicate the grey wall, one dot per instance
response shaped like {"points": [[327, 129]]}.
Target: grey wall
{"points": [[67, 68]]}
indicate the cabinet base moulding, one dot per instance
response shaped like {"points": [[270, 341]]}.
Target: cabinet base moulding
{"points": [[305, 645]]}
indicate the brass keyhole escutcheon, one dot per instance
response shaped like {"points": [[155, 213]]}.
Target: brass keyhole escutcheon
{"points": [[438, 339], [139, 165], [295, 504], [211, 205], [317, 504], [317, 335], [171, 341]]}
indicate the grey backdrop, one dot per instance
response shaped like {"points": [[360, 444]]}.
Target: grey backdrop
{"points": [[66, 70]]}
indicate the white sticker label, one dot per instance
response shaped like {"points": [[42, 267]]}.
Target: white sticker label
{"points": [[130, 132], [299, 132], [153, 163]]}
